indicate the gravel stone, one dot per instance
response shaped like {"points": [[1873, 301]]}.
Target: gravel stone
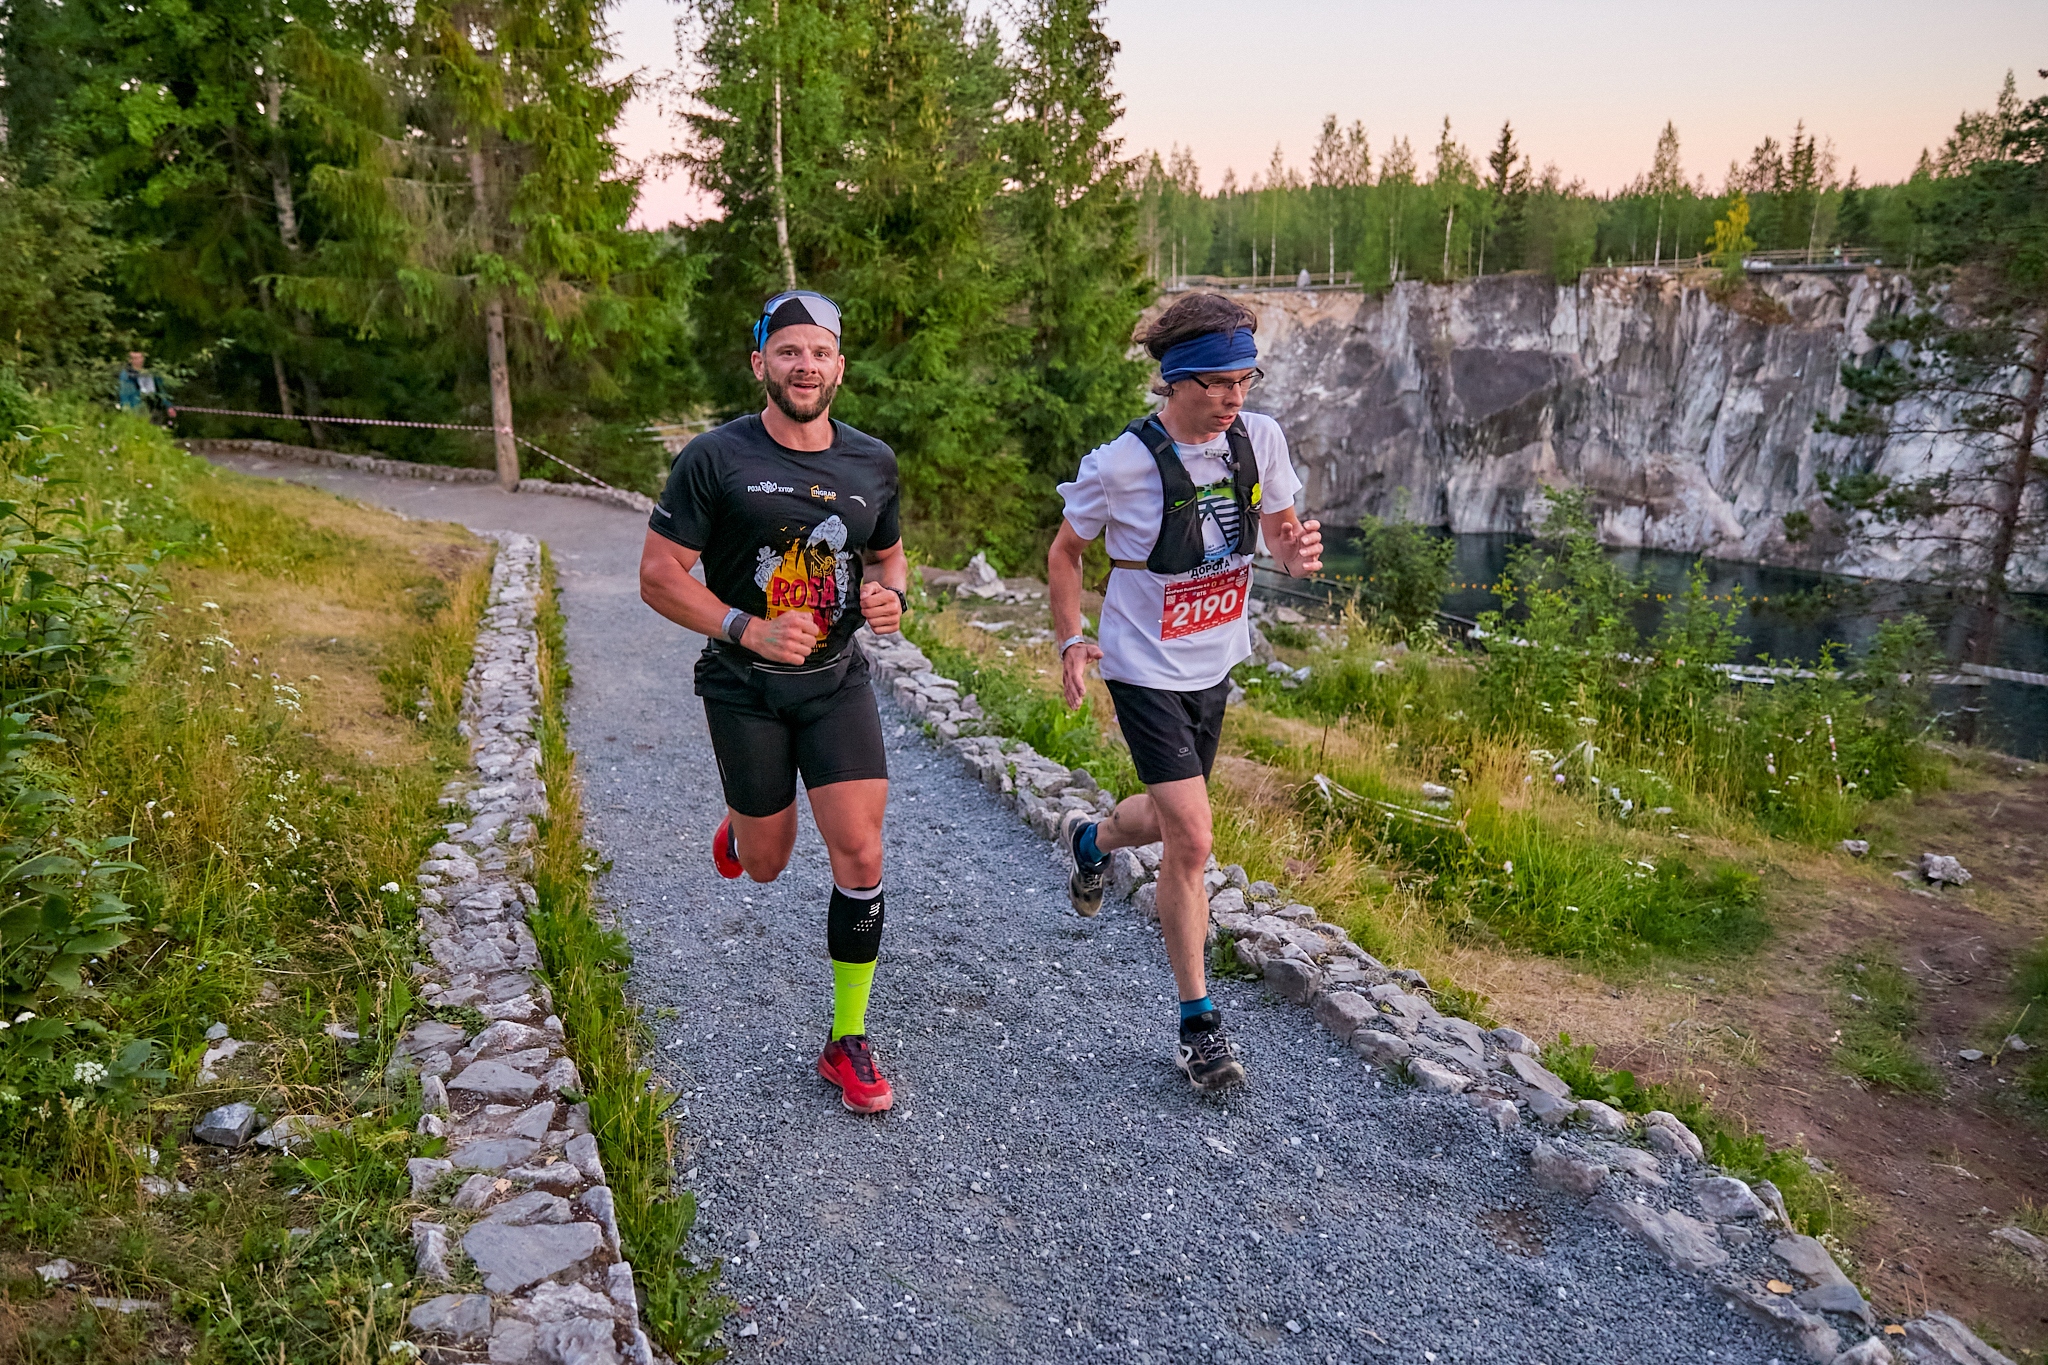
{"points": [[1564, 1170], [1382, 1049], [1439, 1079], [1603, 1118], [430, 1251], [496, 1082], [1533, 1073], [514, 1258], [1938, 1339], [1724, 1198], [1666, 1133], [227, 1126], [1342, 1012], [453, 1317], [1686, 1242]]}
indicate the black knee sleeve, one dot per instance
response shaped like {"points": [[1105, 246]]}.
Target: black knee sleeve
{"points": [[853, 928]]}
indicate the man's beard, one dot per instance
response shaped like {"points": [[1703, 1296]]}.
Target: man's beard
{"points": [[780, 396]]}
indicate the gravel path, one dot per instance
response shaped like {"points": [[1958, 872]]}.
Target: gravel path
{"points": [[1047, 1187]]}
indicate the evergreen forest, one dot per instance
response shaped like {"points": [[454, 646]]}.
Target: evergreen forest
{"points": [[351, 210]]}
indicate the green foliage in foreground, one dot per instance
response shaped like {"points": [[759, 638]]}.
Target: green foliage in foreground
{"points": [[257, 856], [1747, 1156], [585, 964], [1017, 709]]}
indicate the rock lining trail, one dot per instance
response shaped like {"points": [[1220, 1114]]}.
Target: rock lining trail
{"points": [[1048, 1187]]}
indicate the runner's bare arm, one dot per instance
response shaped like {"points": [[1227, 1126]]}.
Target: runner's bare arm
{"points": [[1063, 580], [1297, 544], [879, 605], [667, 585]]}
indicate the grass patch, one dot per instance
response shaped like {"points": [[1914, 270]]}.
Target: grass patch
{"points": [[1021, 707], [1809, 1198], [247, 783], [1877, 1006], [585, 964]]}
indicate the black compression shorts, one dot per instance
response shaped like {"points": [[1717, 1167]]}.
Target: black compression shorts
{"points": [[765, 730], [1173, 735]]}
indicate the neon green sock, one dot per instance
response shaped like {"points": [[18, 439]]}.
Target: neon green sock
{"points": [[851, 982]]}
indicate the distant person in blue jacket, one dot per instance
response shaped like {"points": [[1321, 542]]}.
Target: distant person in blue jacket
{"points": [[142, 392]]}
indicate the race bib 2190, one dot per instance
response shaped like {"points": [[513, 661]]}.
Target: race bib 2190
{"points": [[1204, 603]]}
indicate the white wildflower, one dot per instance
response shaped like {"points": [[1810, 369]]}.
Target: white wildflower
{"points": [[391, 887], [89, 1073]]}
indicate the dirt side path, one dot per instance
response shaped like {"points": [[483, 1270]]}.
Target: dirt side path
{"points": [[1924, 1179]]}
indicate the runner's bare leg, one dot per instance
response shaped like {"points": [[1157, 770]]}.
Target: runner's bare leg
{"points": [[849, 816], [1178, 813], [764, 841]]}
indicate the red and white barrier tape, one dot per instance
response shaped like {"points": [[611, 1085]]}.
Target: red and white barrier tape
{"points": [[391, 422]]}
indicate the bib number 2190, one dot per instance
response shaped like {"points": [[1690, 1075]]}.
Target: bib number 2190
{"points": [[1205, 603]]}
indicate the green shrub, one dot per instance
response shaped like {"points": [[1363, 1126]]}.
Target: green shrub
{"points": [[1407, 572]]}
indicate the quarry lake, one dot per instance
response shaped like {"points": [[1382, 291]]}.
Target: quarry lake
{"points": [[1788, 617]]}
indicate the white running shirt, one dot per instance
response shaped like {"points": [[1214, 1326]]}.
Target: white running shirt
{"points": [[1117, 492]]}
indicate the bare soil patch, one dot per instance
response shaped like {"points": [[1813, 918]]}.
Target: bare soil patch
{"points": [[1924, 1180]]}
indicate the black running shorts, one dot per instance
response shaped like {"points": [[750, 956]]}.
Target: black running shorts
{"points": [[1173, 735], [764, 736]]}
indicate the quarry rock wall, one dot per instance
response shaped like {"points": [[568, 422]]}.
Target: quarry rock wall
{"points": [[1687, 416]]}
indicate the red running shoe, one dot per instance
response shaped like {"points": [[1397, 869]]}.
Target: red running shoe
{"points": [[849, 1063], [725, 850]]}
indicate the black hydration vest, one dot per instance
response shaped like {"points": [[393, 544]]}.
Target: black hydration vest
{"points": [[1179, 547]]}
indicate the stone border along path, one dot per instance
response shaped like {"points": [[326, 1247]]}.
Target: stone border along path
{"points": [[1637, 1174], [537, 1216]]}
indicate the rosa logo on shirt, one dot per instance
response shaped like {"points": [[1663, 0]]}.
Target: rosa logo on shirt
{"points": [[810, 575], [769, 486]]}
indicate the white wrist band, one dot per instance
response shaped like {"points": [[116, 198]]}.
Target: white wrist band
{"points": [[1066, 645]]}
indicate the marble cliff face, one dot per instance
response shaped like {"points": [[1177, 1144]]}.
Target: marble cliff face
{"points": [[1691, 422]]}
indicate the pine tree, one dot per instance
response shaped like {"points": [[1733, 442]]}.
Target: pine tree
{"points": [[1074, 219], [482, 196], [1968, 364]]}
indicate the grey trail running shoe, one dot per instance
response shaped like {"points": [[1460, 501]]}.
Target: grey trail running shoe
{"points": [[1084, 888], [1208, 1058]]}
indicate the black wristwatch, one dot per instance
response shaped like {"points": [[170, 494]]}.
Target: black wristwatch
{"points": [[902, 597]]}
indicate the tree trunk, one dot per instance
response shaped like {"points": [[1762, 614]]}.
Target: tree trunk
{"points": [[781, 195], [501, 395], [503, 440], [284, 390], [2012, 503]]}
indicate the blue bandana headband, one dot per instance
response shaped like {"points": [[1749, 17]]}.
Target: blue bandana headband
{"points": [[1208, 354]]}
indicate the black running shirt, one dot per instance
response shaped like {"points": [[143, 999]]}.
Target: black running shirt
{"points": [[783, 530]]}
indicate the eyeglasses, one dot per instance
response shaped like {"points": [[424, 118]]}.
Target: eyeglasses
{"points": [[1244, 385]]}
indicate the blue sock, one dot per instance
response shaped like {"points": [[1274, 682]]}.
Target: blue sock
{"points": [[1085, 849], [1190, 1008]]}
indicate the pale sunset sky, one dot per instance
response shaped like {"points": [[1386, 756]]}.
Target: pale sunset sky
{"points": [[1587, 83]]}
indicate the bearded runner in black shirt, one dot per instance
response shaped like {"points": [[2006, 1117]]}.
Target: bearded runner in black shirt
{"points": [[794, 519]]}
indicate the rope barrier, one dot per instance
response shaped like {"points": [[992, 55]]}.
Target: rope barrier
{"points": [[393, 422]]}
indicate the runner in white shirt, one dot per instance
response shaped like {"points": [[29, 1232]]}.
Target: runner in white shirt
{"points": [[1182, 498]]}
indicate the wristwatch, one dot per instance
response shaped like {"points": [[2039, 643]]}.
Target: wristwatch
{"points": [[736, 622], [902, 597]]}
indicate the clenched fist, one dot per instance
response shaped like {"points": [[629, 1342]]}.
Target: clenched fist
{"points": [[788, 639], [881, 607]]}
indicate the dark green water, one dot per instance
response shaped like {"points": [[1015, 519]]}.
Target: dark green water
{"points": [[1787, 616]]}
